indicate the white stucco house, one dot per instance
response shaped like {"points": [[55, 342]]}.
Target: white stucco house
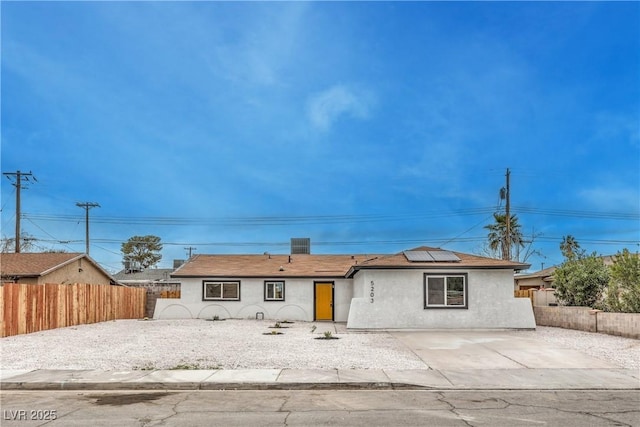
{"points": [[419, 288]]}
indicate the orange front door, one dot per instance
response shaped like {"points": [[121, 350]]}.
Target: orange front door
{"points": [[324, 301]]}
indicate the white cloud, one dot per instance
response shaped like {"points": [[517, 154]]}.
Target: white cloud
{"points": [[617, 199], [611, 128], [326, 107]]}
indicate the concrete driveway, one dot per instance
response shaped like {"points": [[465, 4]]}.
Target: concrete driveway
{"points": [[454, 350]]}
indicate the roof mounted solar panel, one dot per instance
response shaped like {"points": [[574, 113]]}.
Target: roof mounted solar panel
{"points": [[418, 256], [445, 256], [431, 256]]}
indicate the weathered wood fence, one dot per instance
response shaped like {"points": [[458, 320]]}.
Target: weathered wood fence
{"points": [[31, 308], [170, 294], [526, 293]]}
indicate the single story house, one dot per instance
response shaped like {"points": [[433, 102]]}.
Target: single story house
{"points": [[536, 280], [52, 267], [148, 278], [418, 288], [157, 282]]}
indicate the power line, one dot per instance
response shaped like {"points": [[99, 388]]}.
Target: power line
{"points": [[440, 240], [579, 214], [329, 219], [56, 240]]}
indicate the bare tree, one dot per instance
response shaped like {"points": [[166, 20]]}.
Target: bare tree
{"points": [[8, 244]]}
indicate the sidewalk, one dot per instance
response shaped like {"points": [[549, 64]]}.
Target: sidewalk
{"points": [[311, 379]]}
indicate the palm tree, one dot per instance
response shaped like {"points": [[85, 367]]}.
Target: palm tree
{"points": [[498, 234], [569, 247]]}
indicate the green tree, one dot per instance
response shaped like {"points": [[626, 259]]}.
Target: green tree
{"points": [[580, 281], [142, 251], [623, 292], [497, 236], [570, 247]]}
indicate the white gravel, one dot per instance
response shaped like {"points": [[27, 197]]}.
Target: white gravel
{"points": [[202, 344], [237, 344]]}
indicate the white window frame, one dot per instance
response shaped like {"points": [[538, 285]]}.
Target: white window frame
{"points": [[446, 304], [223, 283], [273, 283]]}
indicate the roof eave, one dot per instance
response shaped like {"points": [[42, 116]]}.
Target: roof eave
{"points": [[453, 266], [57, 266]]}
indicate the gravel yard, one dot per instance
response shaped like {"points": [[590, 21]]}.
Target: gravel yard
{"points": [[203, 344], [624, 352], [237, 344]]}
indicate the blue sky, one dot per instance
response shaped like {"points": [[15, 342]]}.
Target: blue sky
{"points": [[368, 127]]}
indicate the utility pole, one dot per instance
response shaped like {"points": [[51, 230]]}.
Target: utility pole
{"points": [[508, 217], [190, 248], [19, 178], [87, 206]]}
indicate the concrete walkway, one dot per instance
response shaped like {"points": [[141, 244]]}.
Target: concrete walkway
{"points": [[310, 379]]}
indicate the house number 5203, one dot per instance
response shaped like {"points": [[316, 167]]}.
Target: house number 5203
{"points": [[372, 293]]}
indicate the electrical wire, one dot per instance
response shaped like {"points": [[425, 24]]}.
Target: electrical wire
{"points": [[326, 219]]}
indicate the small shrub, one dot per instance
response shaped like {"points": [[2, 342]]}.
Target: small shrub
{"points": [[327, 335], [146, 367], [184, 366]]}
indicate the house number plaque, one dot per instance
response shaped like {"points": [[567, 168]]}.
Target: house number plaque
{"points": [[372, 293]]}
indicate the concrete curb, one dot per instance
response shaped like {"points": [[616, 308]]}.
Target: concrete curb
{"points": [[288, 379], [62, 386]]}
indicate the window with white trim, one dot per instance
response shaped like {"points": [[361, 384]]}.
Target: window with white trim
{"points": [[223, 290], [445, 291], [274, 290]]}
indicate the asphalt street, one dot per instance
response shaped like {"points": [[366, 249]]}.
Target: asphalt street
{"points": [[322, 408]]}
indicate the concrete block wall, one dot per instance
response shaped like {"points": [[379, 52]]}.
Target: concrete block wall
{"points": [[623, 324], [579, 318], [586, 319]]}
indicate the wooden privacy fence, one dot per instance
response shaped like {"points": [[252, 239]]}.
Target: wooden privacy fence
{"points": [[170, 294], [526, 293], [31, 308]]}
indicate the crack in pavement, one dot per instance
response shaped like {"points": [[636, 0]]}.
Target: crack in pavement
{"points": [[281, 409], [442, 399], [174, 409], [549, 408]]}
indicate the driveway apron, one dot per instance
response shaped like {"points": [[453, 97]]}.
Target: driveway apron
{"points": [[455, 349]]}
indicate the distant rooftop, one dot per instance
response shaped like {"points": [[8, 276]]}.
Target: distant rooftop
{"points": [[148, 275]]}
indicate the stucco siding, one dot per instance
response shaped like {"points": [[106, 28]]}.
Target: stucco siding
{"points": [[372, 299], [78, 271], [398, 302], [298, 303]]}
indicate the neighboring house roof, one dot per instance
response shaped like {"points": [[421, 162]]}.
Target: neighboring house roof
{"points": [[546, 274], [148, 275], [323, 265], [17, 265]]}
